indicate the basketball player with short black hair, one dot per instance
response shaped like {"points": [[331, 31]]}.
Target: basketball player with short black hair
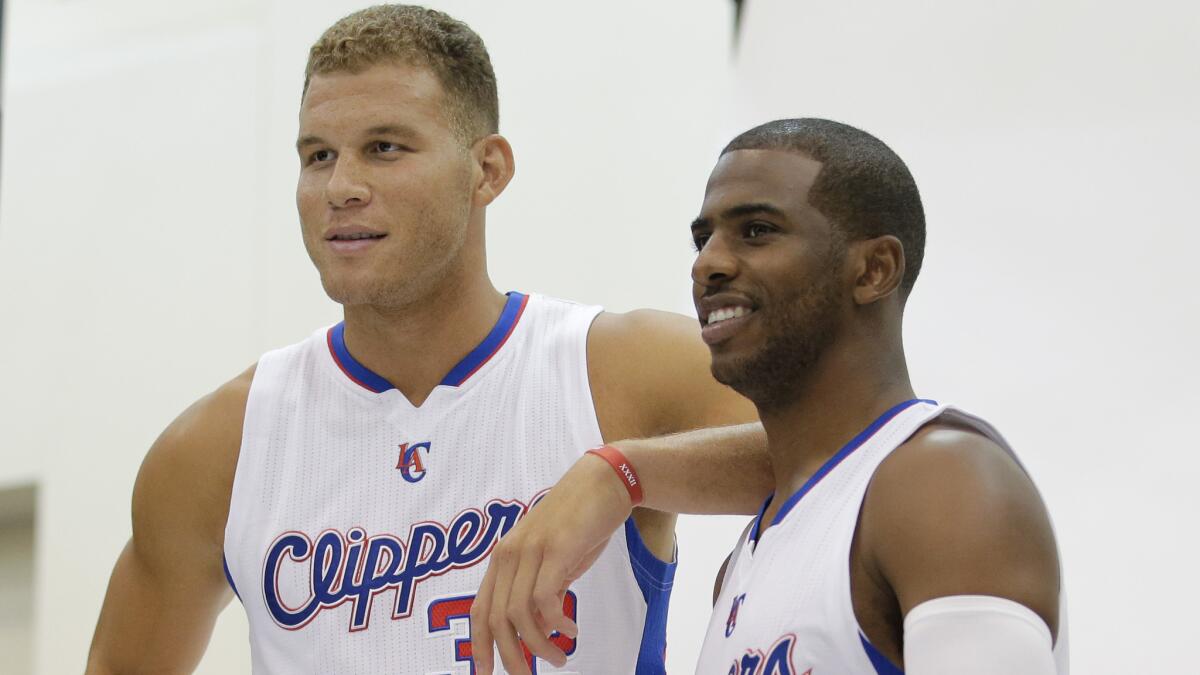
{"points": [[903, 533], [347, 487]]}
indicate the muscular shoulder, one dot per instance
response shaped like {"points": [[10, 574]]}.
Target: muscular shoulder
{"points": [[650, 373], [187, 476], [950, 512]]}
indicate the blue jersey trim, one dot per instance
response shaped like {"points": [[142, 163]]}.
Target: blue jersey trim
{"points": [[229, 577], [514, 307], [882, 665], [491, 344], [654, 578], [356, 371], [831, 464]]}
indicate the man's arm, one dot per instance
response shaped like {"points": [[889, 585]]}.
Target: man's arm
{"points": [[650, 375], [951, 514], [168, 585]]}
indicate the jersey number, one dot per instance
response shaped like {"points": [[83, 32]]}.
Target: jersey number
{"points": [[445, 610]]}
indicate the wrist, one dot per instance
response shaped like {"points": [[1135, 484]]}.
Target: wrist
{"points": [[622, 470]]}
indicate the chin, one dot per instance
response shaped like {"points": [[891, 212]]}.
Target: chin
{"points": [[732, 372], [349, 292], [762, 377]]}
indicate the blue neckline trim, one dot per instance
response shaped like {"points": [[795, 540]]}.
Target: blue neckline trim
{"points": [[472, 362], [830, 464], [362, 375], [513, 308]]}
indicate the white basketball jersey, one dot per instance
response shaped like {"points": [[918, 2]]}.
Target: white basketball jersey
{"points": [[785, 606], [358, 522]]}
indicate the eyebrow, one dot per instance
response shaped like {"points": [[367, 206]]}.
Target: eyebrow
{"points": [[739, 211], [382, 130], [309, 140]]}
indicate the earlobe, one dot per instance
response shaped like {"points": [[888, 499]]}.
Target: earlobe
{"points": [[494, 158], [881, 268]]}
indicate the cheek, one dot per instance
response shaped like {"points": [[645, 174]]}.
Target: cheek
{"points": [[308, 197]]}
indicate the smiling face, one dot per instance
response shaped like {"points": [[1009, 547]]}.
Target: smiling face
{"points": [[768, 278], [384, 192]]}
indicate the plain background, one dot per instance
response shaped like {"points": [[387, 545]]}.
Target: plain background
{"points": [[149, 247]]}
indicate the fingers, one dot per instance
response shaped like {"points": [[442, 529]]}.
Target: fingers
{"points": [[482, 643], [519, 604], [504, 633], [521, 611], [546, 597]]}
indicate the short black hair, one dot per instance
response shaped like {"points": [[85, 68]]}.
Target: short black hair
{"points": [[863, 188]]}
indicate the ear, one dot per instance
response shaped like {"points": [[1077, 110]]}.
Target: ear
{"points": [[493, 168], [880, 268]]}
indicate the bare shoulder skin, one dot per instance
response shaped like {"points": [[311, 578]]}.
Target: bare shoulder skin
{"points": [[649, 374], [950, 513], [169, 585]]}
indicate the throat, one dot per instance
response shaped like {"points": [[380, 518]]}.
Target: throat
{"points": [[416, 350]]}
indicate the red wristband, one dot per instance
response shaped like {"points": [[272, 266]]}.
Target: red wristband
{"points": [[624, 469]]}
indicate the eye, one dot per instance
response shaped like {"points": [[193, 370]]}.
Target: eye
{"points": [[320, 156], [757, 229], [699, 240], [386, 147]]}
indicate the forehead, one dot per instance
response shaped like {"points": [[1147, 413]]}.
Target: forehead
{"points": [[777, 177], [381, 94]]}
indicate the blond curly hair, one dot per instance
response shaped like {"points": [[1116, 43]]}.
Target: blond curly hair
{"points": [[423, 37]]}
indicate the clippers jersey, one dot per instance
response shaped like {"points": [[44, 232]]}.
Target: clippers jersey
{"points": [[785, 606], [358, 522]]}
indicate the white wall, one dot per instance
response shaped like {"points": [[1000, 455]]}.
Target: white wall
{"points": [[1055, 145], [148, 244]]}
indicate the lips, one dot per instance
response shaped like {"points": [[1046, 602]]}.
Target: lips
{"points": [[717, 331], [353, 238], [722, 315]]}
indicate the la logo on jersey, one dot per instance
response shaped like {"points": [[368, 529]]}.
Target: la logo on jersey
{"points": [[731, 622], [775, 661], [412, 468]]}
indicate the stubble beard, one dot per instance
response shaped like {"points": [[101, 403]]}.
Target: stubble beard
{"points": [[799, 329], [425, 265]]}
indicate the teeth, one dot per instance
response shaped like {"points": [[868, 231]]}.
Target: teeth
{"points": [[357, 236], [726, 313]]}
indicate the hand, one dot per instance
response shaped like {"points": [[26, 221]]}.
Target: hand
{"points": [[534, 564]]}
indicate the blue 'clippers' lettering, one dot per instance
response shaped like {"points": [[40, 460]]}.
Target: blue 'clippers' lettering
{"points": [[355, 568]]}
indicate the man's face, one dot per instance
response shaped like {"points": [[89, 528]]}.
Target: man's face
{"points": [[767, 279], [384, 193]]}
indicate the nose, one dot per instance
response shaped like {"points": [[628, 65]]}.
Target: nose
{"points": [[347, 185], [716, 263]]}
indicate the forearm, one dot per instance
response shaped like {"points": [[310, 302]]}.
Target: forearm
{"points": [[724, 470]]}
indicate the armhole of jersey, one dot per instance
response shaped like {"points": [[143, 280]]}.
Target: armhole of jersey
{"points": [[655, 579], [985, 429], [880, 662], [262, 379], [586, 378], [743, 541], [228, 576], [248, 420]]}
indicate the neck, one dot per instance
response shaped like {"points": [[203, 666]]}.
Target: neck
{"points": [[845, 390], [414, 346]]}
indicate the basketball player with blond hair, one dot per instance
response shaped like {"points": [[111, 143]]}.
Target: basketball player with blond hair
{"points": [[347, 488]]}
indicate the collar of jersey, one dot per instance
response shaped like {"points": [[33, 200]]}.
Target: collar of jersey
{"points": [[364, 377], [829, 465]]}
